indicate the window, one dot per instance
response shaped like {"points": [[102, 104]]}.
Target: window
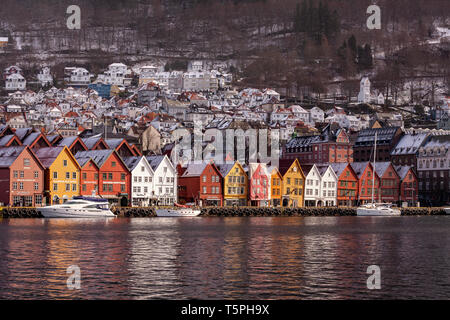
{"points": [[74, 175], [142, 169], [55, 187], [67, 175], [16, 174], [204, 190], [67, 187], [74, 187], [36, 186], [113, 164], [22, 174], [14, 185], [96, 176], [20, 185], [65, 163], [38, 200], [83, 187], [26, 162], [160, 179], [122, 188]]}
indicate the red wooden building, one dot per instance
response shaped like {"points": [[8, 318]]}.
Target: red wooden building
{"points": [[409, 185], [21, 177], [114, 178], [200, 183], [390, 182], [348, 184], [365, 172], [211, 184], [89, 177]]}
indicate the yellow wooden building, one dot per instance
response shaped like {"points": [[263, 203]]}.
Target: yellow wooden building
{"points": [[62, 174], [293, 186], [276, 182], [235, 185]]}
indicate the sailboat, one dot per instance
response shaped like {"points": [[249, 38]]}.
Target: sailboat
{"points": [[376, 209]]}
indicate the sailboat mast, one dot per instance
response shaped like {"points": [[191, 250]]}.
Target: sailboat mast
{"points": [[374, 165]]}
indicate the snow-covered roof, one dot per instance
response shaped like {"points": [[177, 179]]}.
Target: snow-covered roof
{"points": [[194, 169], [98, 156], [9, 155], [409, 144]]}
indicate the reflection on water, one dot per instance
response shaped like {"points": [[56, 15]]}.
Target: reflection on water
{"points": [[225, 258]]}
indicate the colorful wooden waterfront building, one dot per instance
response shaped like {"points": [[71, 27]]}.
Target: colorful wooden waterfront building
{"points": [[62, 174], [114, 176], [293, 185], [89, 176], [275, 186], [259, 184], [389, 182], [142, 174], [235, 185], [409, 185], [347, 184], [366, 173], [200, 183], [21, 177]]}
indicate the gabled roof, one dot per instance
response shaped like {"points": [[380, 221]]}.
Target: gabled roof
{"points": [[155, 161], [381, 167], [225, 168], [82, 161], [23, 132], [359, 167], [69, 142], [339, 168], [34, 137], [9, 154], [98, 156], [48, 155], [194, 169], [283, 170], [132, 162], [402, 171], [6, 141], [92, 142]]}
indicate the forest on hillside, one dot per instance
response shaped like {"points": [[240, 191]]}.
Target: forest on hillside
{"points": [[298, 45]]}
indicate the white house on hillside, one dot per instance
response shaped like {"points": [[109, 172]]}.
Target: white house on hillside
{"points": [[14, 82], [44, 77]]}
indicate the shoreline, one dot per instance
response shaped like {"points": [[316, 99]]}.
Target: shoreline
{"points": [[130, 212]]}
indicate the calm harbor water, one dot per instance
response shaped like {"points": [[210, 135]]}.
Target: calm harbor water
{"points": [[226, 258]]}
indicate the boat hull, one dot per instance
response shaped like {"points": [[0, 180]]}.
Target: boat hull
{"points": [[377, 212], [177, 213], [49, 212], [447, 210]]}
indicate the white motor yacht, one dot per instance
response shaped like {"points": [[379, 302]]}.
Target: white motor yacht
{"points": [[78, 207], [447, 210], [180, 211], [377, 209]]}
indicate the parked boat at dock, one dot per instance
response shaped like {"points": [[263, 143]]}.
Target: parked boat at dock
{"points": [[79, 207], [179, 211]]}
